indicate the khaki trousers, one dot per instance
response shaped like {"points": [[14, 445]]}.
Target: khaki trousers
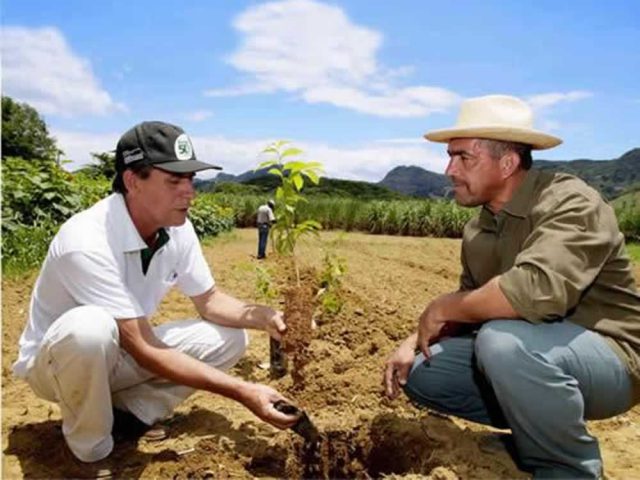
{"points": [[81, 367]]}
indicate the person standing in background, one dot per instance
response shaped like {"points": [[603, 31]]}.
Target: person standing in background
{"points": [[264, 221]]}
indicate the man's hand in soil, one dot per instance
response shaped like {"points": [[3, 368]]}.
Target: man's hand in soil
{"points": [[260, 400], [398, 365]]}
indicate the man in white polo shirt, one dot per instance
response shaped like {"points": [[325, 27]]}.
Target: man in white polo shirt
{"points": [[88, 344]]}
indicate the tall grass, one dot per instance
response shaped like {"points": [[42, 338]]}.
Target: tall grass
{"points": [[412, 217], [439, 218], [628, 213]]}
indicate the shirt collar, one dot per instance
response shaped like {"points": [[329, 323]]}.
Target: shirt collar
{"points": [[523, 198], [122, 226], [519, 205]]}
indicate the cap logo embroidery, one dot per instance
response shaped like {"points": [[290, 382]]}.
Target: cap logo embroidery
{"points": [[183, 148], [130, 156]]}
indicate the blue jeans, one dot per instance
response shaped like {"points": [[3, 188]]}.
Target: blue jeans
{"points": [[540, 380], [263, 236]]}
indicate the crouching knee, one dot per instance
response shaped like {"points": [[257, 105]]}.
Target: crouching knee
{"points": [[498, 348], [235, 343]]}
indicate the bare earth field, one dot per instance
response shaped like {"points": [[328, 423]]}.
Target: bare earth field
{"points": [[388, 282]]}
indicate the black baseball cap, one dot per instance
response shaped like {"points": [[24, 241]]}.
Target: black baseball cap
{"points": [[160, 145]]}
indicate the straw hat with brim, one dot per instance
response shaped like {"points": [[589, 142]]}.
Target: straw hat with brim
{"points": [[496, 117]]}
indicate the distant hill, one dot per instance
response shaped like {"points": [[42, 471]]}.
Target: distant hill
{"points": [[261, 182], [417, 182], [612, 177]]}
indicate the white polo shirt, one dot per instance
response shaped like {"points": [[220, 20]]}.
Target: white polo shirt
{"points": [[95, 260], [265, 215]]}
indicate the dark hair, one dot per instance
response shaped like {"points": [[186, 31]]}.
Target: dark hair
{"points": [[141, 169], [497, 148]]}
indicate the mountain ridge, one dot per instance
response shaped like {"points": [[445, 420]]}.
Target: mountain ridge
{"points": [[611, 177]]}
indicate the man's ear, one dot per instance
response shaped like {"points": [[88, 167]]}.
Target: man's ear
{"points": [[130, 180], [509, 164]]}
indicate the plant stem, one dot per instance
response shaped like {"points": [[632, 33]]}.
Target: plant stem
{"points": [[295, 266]]}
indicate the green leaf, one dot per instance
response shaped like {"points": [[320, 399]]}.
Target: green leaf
{"points": [[291, 151], [313, 223], [313, 177], [268, 163], [280, 143], [275, 171], [294, 166], [298, 182], [270, 149]]}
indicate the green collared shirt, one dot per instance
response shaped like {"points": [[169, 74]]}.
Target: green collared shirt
{"points": [[559, 252], [147, 254]]}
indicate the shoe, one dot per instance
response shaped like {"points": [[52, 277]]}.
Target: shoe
{"points": [[126, 426], [75, 468]]}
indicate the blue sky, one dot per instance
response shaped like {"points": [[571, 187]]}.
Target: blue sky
{"points": [[353, 83]]}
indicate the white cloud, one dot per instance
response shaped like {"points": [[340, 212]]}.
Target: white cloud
{"points": [[371, 162], [198, 115], [313, 50], [40, 68], [402, 141], [368, 162], [78, 146], [543, 104], [546, 100]]}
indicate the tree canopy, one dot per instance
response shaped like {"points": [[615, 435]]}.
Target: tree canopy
{"points": [[24, 132]]}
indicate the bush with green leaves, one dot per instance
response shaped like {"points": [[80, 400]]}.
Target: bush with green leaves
{"points": [[37, 197], [36, 191], [266, 291], [209, 218], [334, 268]]}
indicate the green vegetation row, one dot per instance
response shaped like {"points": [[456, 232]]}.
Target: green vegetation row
{"points": [[628, 212], [437, 218], [38, 196], [264, 184]]}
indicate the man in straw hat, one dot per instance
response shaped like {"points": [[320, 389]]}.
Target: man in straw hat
{"points": [[89, 344], [544, 331]]}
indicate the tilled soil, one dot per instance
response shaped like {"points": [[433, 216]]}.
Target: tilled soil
{"points": [[388, 282]]}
